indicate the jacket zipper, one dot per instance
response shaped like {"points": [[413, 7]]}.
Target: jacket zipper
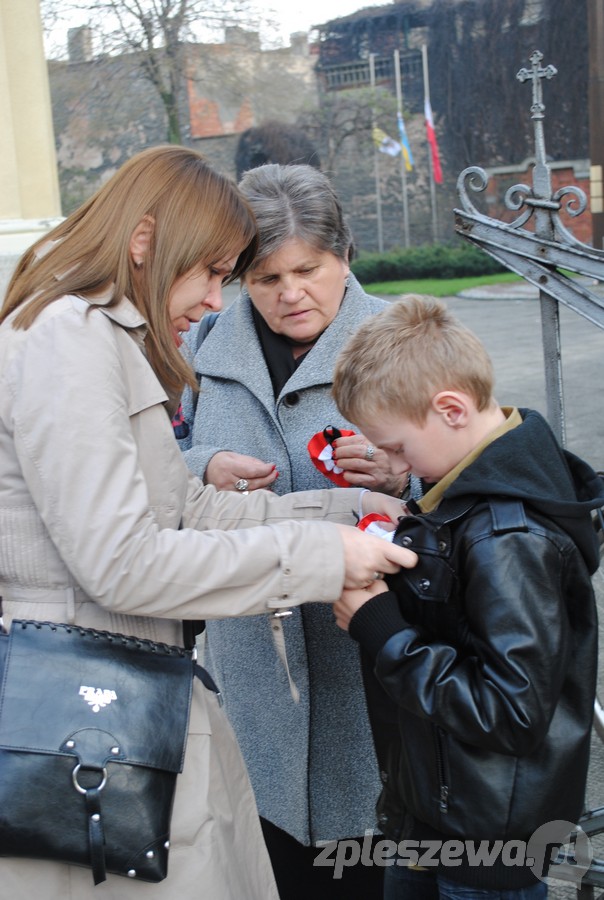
{"points": [[443, 787]]}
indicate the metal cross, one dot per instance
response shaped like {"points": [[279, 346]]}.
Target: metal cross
{"points": [[536, 73], [541, 173], [542, 202]]}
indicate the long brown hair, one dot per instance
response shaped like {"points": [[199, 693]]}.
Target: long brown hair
{"points": [[200, 219]]}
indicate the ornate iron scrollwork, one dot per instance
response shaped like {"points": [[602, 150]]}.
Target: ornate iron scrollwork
{"points": [[545, 255]]}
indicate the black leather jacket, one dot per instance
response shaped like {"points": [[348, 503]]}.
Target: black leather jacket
{"points": [[488, 649]]}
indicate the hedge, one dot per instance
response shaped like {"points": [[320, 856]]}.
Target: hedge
{"points": [[428, 261]]}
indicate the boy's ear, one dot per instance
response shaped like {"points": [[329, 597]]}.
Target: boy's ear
{"points": [[140, 240], [453, 406]]}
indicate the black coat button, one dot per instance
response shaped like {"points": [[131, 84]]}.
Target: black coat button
{"points": [[291, 399]]}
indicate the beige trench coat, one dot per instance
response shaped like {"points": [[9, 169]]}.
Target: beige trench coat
{"points": [[92, 491]]}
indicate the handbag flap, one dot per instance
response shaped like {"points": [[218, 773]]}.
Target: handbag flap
{"points": [[94, 695]]}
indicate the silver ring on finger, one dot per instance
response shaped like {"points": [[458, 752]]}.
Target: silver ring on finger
{"points": [[369, 452], [376, 576], [242, 484]]}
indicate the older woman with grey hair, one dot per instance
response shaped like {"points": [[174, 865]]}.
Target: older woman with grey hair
{"points": [[265, 371]]}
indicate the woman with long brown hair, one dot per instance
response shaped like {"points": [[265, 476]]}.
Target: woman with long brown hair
{"points": [[102, 526]]}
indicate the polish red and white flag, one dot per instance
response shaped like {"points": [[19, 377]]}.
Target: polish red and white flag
{"points": [[437, 172]]}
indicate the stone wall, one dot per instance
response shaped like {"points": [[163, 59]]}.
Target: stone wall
{"points": [[104, 110]]}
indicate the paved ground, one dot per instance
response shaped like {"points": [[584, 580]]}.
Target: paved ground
{"points": [[509, 323]]}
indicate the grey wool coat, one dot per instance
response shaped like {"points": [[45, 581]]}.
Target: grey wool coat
{"points": [[311, 764], [93, 488]]}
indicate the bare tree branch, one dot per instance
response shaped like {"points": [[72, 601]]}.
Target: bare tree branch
{"points": [[157, 32]]}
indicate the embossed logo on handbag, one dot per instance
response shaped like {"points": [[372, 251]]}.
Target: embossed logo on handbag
{"points": [[97, 698]]}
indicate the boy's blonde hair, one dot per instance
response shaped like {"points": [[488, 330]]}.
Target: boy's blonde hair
{"points": [[400, 358]]}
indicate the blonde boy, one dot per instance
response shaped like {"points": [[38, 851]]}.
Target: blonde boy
{"points": [[488, 647]]}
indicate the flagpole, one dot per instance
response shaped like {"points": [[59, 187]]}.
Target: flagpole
{"points": [[376, 163], [432, 184], [399, 104]]}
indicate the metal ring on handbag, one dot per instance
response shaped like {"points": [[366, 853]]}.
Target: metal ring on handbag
{"points": [[78, 786]]}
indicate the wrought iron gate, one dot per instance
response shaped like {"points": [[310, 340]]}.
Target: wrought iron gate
{"points": [[543, 257], [539, 255]]}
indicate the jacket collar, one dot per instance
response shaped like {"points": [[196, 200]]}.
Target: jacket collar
{"points": [[124, 313], [432, 498]]}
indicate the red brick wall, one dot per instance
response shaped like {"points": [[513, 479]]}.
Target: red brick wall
{"points": [[563, 174]]}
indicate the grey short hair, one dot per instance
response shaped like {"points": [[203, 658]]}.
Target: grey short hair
{"points": [[296, 201]]}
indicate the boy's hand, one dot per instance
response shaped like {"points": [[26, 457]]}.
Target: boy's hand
{"points": [[352, 600]]}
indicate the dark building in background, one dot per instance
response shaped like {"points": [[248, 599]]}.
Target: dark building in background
{"points": [[332, 89]]}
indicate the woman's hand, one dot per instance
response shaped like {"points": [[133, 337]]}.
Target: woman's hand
{"points": [[375, 473], [367, 557], [384, 505], [226, 468], [352, 600]]}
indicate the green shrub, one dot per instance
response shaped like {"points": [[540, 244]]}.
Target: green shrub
{"points": [[428, 261]]}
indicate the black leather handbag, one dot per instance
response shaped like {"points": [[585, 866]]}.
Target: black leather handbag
{"points": [[93, 730]]}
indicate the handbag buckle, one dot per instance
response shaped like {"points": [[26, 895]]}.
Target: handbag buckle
{"points": [[78, 786]]}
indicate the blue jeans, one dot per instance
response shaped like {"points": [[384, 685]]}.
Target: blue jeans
{"points": [[403, 883]]}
